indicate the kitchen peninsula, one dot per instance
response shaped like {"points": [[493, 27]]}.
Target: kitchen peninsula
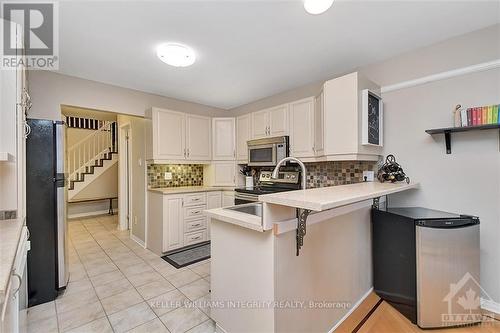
{"points": [[256, 273]]}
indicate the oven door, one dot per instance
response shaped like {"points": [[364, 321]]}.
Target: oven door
{"points": [[244, 198], [262, 155]]}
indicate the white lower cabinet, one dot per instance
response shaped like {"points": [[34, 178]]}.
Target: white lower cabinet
{"points": [[173, 216], [227, 198], [179, 219]]}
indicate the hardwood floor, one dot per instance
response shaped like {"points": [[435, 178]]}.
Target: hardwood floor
{"points": [[386, 319]]}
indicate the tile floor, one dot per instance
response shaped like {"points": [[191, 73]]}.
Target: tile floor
{"points": [[118, 286]]}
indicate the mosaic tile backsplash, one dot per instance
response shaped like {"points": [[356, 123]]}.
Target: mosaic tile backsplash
{"points": [[182, 175], [325, 174]]}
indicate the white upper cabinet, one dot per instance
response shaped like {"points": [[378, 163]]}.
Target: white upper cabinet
{"points": [[270, 122], [260, 124], [198, 138], [319, 122], [342, 118], [243, 134], [278, 120], [168, 135], [178, 137], [220, 174], [224, 141], [302, 128]]}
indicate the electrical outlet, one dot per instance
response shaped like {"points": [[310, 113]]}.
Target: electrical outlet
{"points": [[167, 176], [368, 176]]}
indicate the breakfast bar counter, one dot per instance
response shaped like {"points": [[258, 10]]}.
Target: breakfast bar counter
{"points": [[259, 271]]}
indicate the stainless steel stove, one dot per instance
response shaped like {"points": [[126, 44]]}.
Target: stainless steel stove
{"points": [[286, 181]]}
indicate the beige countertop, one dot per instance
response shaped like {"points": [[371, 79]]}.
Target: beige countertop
{"points": [[189, 189], [10, 234], [241, 219], [324, 198]]}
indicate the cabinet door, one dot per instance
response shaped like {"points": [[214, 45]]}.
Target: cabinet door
{"points": [[224, 173], [227, 199], [168, 135], [173, 222], [223, 144], [243, 134], [302, 128], [214, 200], [198, 138], [260, 124], [278, 120], [319, 125]]}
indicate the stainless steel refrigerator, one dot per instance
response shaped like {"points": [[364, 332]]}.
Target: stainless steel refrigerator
{"points": [[46, 194]]}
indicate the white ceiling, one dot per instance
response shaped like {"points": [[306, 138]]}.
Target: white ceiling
{"points": [[248, 50]]}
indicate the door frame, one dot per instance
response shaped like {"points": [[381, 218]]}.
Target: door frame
{"points": [[125, 177]]}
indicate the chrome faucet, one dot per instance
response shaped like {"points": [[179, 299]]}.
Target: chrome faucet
{"points": [[293, 159]]}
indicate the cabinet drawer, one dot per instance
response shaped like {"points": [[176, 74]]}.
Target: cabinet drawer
{"points": [[195, 237], [195, 225], [195, 199], [193, 212]]}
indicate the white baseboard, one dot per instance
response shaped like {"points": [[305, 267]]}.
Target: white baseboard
{"points": [[358, 303], [137, 240], [94, 213], [489, 305]]}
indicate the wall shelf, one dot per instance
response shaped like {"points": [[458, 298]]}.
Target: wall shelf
{"points": [[448, 130]]}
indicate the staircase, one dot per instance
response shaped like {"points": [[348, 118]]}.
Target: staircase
{"points": [[91, 157]]}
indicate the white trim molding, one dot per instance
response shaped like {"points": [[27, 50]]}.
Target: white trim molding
{"points": [[489, 305], [442, 76], [358, 303], [94, 213], [137, 240]]}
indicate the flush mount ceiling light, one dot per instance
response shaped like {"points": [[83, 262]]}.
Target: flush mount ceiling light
{"points": [[175, 54], [317, 6]]}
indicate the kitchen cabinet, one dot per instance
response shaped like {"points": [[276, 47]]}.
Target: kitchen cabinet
{"points": [[176, 137], [302, 128], [270, 122], [243, 134], [214, 200], [177, 220], [342, 110], [319, 123], [227, 198], [224, 139], [173, 232], [220, 174], [198, 138]]}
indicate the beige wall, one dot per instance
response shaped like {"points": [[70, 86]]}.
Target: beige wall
{"points": [[50, 90], [105, 186], [138, 169]]}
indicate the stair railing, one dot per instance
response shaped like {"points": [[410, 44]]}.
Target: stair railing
{"points": [[87, 152]]}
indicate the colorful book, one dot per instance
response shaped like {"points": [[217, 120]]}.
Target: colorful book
{"points": [[474, 116], [463, 117], [484, 115], [479, 119], [496, 114], [469, 117], [490, 114]]}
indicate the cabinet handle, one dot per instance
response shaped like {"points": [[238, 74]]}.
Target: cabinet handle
{"points": [[196, 238], [196, 199], [20, 280], [188, 152], [185, 153], [196, 212], [196, 225]]}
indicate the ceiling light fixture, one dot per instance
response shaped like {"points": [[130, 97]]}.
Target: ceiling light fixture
{"points": [[175, 54], [316, 7]]}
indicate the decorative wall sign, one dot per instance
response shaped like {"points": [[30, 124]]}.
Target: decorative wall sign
{"points": [[372, 119]]}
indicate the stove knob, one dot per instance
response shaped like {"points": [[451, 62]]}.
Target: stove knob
{"points": [[287, 176], [293, 176]]}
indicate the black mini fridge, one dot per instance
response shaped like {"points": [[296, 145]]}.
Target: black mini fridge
{"points": [[426, 265]]}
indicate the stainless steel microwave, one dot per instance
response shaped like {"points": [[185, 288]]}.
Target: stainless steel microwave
{"points": [[267, 151]]}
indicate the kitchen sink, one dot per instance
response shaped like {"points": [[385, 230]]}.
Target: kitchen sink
{"points": [[251, 208]]}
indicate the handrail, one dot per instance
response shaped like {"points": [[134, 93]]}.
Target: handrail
{"points": [[86, 152]]}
